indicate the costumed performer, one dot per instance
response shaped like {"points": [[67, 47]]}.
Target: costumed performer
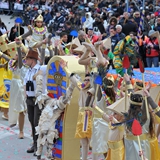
{"points": [[38, 35], [128, 47], [17, 100], [115, 135], [52, 109], [5, 88], [85, 101]]}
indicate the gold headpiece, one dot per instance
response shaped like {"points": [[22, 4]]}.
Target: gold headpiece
{"points": [[138, 86], [40, 17], [12, 49], [3, 43]]}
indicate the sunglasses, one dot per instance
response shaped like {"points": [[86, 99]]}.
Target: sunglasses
{"points": [[87, 80]]}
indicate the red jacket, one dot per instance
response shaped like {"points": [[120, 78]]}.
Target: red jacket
{"points": [[154, 52]]}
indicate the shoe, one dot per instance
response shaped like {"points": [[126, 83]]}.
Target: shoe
{"points": [[12, 125], [21, 135], [35, 154], [31, 150], [4, 117]]}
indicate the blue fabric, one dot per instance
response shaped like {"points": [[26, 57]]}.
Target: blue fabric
{"points": [[152, 60], [150, 74]]}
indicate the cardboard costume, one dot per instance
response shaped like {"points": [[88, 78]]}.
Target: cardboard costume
{"points": [[59, 117]]}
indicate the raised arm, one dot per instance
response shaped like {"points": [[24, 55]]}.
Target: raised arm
{"points": [[4, 56], [20, 63]]}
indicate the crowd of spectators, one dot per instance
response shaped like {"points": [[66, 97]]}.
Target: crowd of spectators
{"points": [[99, 16]]}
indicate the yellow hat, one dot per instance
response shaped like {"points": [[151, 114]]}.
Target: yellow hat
{"points": [[40, 17], [74, 44], [107, 43], [80, 49], [119, 106], [12, 49], [3, 43]]}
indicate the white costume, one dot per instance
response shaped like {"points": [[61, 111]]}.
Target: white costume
{"points": [[53, 108], [17, 98], [89, 21]]}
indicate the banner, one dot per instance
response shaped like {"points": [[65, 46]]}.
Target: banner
{"points": [[4, 5], [18, 6]]}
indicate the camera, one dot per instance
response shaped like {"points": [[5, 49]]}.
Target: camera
{"points": [[29, 86], [148, 50]]}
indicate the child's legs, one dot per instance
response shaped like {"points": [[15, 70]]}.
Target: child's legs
{"points": [[85, 148]]}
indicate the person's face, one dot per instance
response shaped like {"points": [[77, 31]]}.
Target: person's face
{"points": [[16, 57], [112, 32], [90, 32], [126, 15], [86, 80], [137, 14], [132, 37], [64, 38], [158, 20], [81, 37], [29, 61], [16, 24], [57, 14], [118, 29], [39, 24], [118, 117]]}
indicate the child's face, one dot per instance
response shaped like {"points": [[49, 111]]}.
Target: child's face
{"points": [[118, 117], [39, 24]]}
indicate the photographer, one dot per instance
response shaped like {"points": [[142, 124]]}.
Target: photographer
{"points": [[152, 49], [30, 86]]}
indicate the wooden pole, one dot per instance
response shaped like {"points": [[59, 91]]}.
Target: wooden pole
{"points": [[145, 98], [139, 143]]}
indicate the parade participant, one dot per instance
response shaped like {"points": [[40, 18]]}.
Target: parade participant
{"points": [[63, 42], [115, 135], [52, 109], [85, 102], [137, 111], [17, 99], [127, 46], [5, 87], [38, 35], [6, 76], [30, 85]]}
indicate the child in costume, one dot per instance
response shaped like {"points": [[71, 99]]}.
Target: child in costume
{"points": [[38, 35], [115, 135], [17, 101], [85, 102]]}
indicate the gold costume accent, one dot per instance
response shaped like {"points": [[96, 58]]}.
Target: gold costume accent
{"points": [[134, 138], [157, 109], [116, 150], [129, 86], [135, 103], [43, 46], [155, 151], [50, 47], [81, 122]]}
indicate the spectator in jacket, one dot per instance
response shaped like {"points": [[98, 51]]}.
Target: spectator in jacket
{"points": [[119, 32], [129, 26], [3, 28], [152, 50], [47, 16], [89, 21], [157, 28]]}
